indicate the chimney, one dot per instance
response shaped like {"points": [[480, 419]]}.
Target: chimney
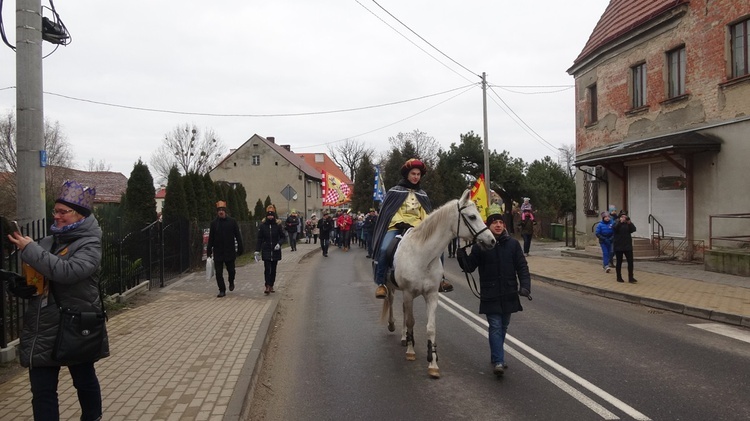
{"points": [[271, 139], [287, 147]]}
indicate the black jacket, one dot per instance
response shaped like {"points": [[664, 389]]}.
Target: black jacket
{"points": [[325, 226], [269, 235], [500, 270], [221, 240], [292, 224], [623, 240]]}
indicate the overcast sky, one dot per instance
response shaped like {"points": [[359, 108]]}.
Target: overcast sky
{"points": [[237, 60]]}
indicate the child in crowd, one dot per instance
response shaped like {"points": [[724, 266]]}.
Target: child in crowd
{"points": [[526, 209]]}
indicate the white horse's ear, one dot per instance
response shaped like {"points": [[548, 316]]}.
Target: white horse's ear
{"points": [[466, 196]]}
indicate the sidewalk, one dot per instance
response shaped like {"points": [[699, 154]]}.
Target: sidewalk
{"points": [[189, 355], [186, 355]]}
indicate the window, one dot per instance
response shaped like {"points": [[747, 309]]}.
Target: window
{"points": [[593, 116], [739, 39], [677, 64], [590, 193], [639, 85], [256, 159]]}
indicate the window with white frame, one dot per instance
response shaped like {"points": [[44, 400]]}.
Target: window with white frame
{"points": [[739, 38], [677, 65], [590, 192], [639, 85], [256, 159]]}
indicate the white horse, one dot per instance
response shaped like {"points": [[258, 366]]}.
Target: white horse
{"points": [[418, 269]]}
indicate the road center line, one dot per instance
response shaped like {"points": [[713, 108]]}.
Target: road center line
{"points": [[476, 320]]}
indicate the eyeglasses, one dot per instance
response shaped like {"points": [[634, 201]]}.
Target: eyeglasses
{"points": [[62, 212]]}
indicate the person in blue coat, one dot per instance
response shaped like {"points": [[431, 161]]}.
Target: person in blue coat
{"points": [[503, 277], [605, 234]]}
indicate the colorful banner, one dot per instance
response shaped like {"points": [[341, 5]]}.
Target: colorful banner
{"points": [[479, 196], [335, 192], [378, 192]]}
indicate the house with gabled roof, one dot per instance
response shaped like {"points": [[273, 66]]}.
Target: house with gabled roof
{"points": [[662, 114], [322, 162], [267, 169]]}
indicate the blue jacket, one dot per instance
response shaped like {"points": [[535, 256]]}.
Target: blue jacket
{"points": [[604, 231]]}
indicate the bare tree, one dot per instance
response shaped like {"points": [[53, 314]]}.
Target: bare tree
{"points": [[189, 149], [59, 159], [100, 166], [567, 159], [348, 154], [426, 147]]}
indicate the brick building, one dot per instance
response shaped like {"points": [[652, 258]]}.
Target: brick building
{"points": [[663, 118]]}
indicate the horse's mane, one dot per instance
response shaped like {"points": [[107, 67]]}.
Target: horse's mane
{"points": [[442, 215]]}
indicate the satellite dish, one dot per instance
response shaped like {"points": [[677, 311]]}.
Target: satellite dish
{"points": [[294, 197]]}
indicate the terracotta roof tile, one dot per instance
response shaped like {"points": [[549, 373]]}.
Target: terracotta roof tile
{"points": [[621, 17]]}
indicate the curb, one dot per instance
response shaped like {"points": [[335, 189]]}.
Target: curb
{"points": [[701, 313]]}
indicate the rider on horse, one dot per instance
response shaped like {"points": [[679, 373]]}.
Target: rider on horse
{"points": [[405, 205]]}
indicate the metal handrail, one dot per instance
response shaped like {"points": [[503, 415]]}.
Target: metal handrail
{"points": [[737, 238], [658, 229]]}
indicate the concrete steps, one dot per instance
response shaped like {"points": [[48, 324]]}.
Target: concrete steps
{"points": [[642, 250]]}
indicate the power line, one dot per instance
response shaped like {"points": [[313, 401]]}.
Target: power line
{"points": [[251, 115], [427, 42], [522, 124], [413, 43], [562, 89], [391, 124]]}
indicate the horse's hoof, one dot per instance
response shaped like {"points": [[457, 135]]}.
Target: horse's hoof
{"points": [[412, 357], [392, 327], [434, 372], [403, 342]]}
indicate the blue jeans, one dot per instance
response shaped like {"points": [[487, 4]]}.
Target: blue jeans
{"points": [[44, 391], [606, 253], [382, 267], [498, 327]]}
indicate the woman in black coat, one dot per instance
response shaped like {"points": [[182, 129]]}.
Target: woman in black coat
{"points": [[501, 269], [623, 245], [270, 237]]}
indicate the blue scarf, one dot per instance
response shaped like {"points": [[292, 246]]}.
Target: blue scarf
{"points": [[66, 228]]}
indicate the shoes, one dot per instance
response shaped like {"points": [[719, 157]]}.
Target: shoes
{"points": [[620, 280], [606, 269], [268, 290], [325, 254], [499, 369], [381, 292], [445, 286], [231, 285], [633, 281], [221, 294], [368, 256]]}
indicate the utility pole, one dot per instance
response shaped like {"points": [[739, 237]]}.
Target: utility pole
{"points": [[30, 154], [486, 142]]}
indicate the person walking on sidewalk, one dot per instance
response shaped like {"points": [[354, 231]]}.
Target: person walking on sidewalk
{"points": [[527, 230], [623, 245], [224, 245], [605, 234], [501, 269], [325, 228], [405, 205], [68, 260], [344, 223], [367, 229], [292, 228], [270, 237]]}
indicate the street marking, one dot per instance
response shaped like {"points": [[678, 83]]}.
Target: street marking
{"points": [[725, 330], [598, 409]]}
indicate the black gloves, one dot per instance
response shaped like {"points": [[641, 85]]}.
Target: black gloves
{"points": [[524, 293], [17, 285], [461, 253], [402, 226]]}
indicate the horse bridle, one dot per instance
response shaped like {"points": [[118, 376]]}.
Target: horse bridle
{"points": [[474, 233]]}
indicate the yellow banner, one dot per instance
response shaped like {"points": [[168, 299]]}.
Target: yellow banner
{"points": [[479, 196]]}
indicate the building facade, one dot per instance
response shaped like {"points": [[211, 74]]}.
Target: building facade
{"points": [[266, 169], [663, 119]]}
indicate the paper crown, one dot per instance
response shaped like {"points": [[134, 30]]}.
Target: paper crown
{"points": [[494, 209], [221, 204], [77, 196]]}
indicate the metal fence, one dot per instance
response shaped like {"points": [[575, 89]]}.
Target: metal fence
{"points": [[159, 253]]}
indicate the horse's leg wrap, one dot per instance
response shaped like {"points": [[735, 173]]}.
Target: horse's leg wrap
{"points": [[431, 347], [410, 338]]}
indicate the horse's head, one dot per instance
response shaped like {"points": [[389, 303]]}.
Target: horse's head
{"points": [[471, 227]]}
